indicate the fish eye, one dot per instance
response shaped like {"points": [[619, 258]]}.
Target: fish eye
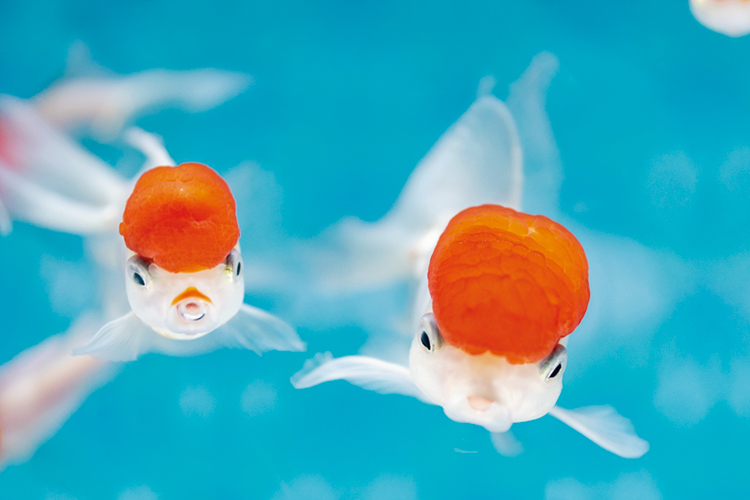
{"points": [[553, 365], [137, 271], [429, 333], [234, 265]]}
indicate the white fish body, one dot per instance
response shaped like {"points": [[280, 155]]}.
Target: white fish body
{"points": [[728, 17]]}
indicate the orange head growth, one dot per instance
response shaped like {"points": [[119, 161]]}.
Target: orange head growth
{"points": [[507, 282], [182, 218]]}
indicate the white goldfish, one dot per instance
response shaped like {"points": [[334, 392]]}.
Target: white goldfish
{"points": [[496, 291], [48, 180]]}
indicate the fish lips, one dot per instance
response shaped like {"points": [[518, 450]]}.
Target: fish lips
{"points": [[191, 318]]}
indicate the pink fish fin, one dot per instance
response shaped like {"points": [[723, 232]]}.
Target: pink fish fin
{"points": [[369, 373], [506, 444], [605, 427], [41, 387]]}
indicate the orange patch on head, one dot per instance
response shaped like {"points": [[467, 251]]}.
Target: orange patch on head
{"points": [[190, 292], [182, 218], [507, 282]]}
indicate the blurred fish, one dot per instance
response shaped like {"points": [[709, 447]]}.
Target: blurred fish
{"points": [[729, 17], [102, 103], [42, 386], [486, 331]]}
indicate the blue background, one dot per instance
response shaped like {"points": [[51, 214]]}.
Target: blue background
{"points": [[348, 96]]}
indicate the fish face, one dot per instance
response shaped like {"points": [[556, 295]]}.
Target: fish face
{"points": [[185, 306], [483, 389]]}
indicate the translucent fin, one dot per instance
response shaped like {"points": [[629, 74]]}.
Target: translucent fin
{"points": [[605, 427], [103, 105], [477, 160], [543, 170], [151, 146], [369, 373], [127, 338], [41, 387], [123, 339], [259, 331], [506, 444]]}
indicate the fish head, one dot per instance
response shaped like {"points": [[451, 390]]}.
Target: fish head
{"points": [[185, 305], [483, 389]]}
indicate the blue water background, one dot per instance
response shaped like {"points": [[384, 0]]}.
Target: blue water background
{"points": [[348, 96]]}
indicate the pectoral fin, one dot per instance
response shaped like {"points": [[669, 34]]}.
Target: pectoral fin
{"points": [[259, 331], [605, 427], [369, 373], [506, 444], [123, 339]]}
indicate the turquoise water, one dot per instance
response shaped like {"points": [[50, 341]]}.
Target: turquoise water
{"points": [[649, 111]]}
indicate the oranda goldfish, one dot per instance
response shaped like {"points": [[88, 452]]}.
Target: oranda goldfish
{"points": [[496, 291]]}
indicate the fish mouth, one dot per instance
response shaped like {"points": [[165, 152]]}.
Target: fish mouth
{"points": [[192, 304], [479, 403]]}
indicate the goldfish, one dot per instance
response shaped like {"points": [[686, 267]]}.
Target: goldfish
{"points": [[176, 300], [495, 291], [184, 272], [728, 17]]}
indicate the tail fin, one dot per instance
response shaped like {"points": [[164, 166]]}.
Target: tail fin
{"points": [[103, 103], [477, 160], [49, 181], [41, 387], [542, 166]]}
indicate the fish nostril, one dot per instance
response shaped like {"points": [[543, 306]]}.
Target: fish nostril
{"points": [[191, 310], [479, 403]]}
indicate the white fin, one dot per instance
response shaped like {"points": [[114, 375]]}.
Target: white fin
{"points": [[506, 444], [369, 373], [605, 427], [543, 170], [477, 160], [123, 339], [41, 387], [103, 105], [151, 146], [259, 331], [127, 338]]}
